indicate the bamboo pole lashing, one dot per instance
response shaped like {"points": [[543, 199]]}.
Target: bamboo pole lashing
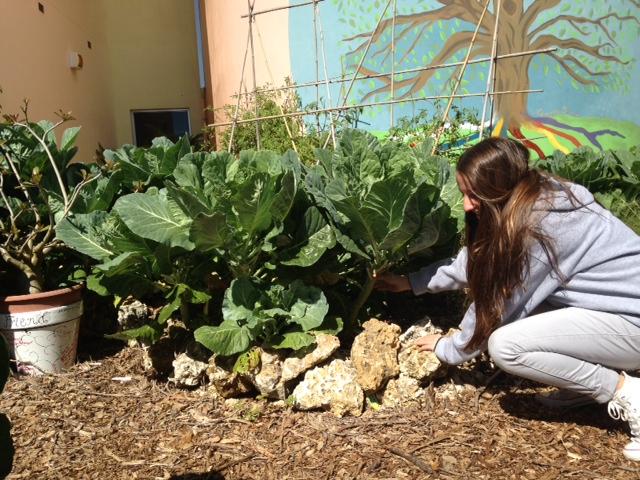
{"points": [[440, 130], [402, 72], [283, 7], [492, 65], [374, 104]]}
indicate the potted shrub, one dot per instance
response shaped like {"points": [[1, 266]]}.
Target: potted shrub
{"points": [[38, 188]]}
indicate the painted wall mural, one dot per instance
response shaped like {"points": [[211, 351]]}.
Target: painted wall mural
{"points": [[589, 82]]}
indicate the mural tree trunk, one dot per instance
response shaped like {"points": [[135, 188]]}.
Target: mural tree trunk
{"points": [[520, 29]]}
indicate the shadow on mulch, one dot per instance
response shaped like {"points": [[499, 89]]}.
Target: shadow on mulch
{"points": [[96, 347], [524, 405], [198, 476]]}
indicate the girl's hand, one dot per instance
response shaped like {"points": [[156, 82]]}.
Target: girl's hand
{"points": [[428, 342], [391, 282]]}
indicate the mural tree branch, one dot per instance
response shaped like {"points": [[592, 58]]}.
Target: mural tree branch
{"points": [[588, 53]]}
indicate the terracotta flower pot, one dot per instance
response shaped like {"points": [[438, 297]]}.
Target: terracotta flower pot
{"points": [[42, 329]]}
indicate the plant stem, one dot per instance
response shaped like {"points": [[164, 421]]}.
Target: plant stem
{"points": [[362, 297], [41, 141]]}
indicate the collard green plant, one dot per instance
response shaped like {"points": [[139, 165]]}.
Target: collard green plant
{"points": [[612, 175], [594, 170], [141, 244], [274, 315], [6, 444], [240, 210], [382, 200]]}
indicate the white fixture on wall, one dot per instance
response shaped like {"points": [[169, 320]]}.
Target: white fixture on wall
{"points": [[74, 60]]}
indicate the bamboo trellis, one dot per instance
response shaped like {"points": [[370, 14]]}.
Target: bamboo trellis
{"points": [[319, 51]]}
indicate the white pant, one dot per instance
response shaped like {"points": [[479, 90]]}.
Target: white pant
{"points": [[571, 348]]}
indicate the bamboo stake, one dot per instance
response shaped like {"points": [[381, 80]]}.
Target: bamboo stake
{"points": [[364, 55], [326, 76], [250, 4], [266, 62], [374, 104], [315, 49], [458, 80], [342, 79], [235, 113], [492, 65], [284, 7], [393, 60]]}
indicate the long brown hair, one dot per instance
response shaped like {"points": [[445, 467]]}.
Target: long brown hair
{"points": [[497, 173]]}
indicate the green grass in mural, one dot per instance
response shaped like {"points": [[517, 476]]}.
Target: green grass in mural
{"points": [[628, 131]]}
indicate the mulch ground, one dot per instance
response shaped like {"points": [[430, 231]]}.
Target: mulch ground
{"points": [[89, 424]]}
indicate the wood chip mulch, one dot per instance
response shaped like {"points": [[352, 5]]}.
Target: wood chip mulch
{"points": [[93, 422]]}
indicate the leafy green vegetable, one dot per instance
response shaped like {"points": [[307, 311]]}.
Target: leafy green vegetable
{"points": [[278, 316], [380, 199]]}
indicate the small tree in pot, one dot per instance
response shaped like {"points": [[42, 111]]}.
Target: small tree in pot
{"points": [[38, 188]]}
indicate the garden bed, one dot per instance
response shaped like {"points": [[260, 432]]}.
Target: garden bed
{"points": [[105, 419]]}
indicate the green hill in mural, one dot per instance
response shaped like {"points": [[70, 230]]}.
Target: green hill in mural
{"points": [[612, 134]]}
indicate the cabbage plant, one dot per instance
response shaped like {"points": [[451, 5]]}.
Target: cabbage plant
{"points": [[384, 202]]}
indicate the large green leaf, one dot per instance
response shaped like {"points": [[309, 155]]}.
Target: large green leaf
{"points": [[148, 334], [241, 300], [383, 208], [226, 339], [155, 217], [313, 237], [294, 340], [308, 305], [85, 233], [209, 232], [69, 138]]}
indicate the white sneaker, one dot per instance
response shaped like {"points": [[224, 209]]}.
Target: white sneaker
{"points": [[564, 399], [625, 405]]}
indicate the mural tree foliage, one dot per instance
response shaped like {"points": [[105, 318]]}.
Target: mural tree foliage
{"points": [[584, 33]]}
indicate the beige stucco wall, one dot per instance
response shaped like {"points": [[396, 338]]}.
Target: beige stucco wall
{"points": [[226, 37], [34, 47], [153, 62], [143, 56]]}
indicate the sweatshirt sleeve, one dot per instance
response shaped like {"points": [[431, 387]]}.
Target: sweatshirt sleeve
{"points": [[449, 274], [540, 282]]}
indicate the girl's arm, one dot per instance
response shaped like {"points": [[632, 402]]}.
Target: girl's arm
{"points": [[540, 282], [449, 274]]}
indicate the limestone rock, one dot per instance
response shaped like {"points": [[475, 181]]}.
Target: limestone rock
{"points": [[226, 382], [267, 378], [375, 354], [326, 345], [419, 329], [332, 387], [422, 366], [400, 391], [133, 314], [187, 371]]}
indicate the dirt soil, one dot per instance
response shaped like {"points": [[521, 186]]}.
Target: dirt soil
{"points": [[104, 419]]}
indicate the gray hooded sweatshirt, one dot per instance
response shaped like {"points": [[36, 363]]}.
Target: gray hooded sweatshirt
{"points": [[597, 254]]}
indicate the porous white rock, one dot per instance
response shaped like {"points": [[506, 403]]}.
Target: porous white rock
{"points": [[400, 391], [294, 366], [188, 372], [332, 387], [374, 354]]}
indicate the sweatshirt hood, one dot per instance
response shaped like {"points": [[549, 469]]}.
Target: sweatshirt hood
{"points": [[557, 199]]}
